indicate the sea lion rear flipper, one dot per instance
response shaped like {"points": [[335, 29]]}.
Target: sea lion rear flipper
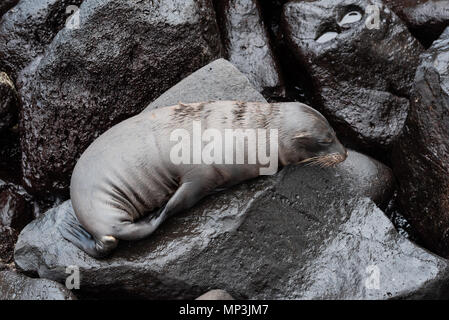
{"points": [[73, 231]]}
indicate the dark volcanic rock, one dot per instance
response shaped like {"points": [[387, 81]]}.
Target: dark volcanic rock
{"points": [[16, 207], [426, 19], [26, 31], [9, 102], [361, 76], [421, 158], [5, 5], [303, 233], [219, 80], [8, 238], [14, 286], [123, 55], [247, 44], [10, 156]]}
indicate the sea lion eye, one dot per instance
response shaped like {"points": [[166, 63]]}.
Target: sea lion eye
{"points": [[325, 142]]}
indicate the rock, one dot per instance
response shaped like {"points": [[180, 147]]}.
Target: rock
{"points": [[305, 232], [5, 5], [421, 157], [10, 156], [8, 238], [14, 286], [247, 44], [219, 80], [216, 294], [426, 19], [16, 207], [123, 55], [27, 30], [9, 102], [361, 77]]}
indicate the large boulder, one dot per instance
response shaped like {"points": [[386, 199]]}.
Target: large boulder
{"points": [[27, 30], [219, 80], [426, 19], [361, 71], [122, 56], [305, 232], [247, 44], [421, 158], [9, 102], [14, 286]]}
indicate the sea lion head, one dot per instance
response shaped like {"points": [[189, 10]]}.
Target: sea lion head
{"points": [[307, 137]]}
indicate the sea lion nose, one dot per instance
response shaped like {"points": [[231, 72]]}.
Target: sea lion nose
{"points": [[342, 150]]}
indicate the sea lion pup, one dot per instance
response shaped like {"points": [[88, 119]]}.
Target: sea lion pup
{"points": [[128, 181]]}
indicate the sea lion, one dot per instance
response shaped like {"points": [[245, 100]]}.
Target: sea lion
{"points": [[127, 182]]}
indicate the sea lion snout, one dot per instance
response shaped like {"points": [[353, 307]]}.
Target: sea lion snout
{"points": [[339, 149]]}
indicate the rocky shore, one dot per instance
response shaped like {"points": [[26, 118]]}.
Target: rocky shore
{"points": [[379, 72]]}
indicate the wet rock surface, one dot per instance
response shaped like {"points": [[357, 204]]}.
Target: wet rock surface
{"points": [[303, 233], [14, 286], [123, 55], [8, 238], [426, 19], [361, 76], [247, 44], [6, 5], [16, 209], [219, 80], [9, 102], [10, 155], [28, 29], [421, 158]]}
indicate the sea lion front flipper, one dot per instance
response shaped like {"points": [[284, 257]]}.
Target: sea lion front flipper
{"points": [[73, 231], [187, 195]]}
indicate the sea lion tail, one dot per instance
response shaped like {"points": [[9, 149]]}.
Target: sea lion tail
{"points": [[72, 230]]}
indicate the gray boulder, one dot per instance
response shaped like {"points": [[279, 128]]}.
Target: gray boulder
{"points": [[303, 233], [28, 29], [426, 19], [421, 157], [361, 72], [247, 44], [219, 80], [122, 56], [14, 286]]}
